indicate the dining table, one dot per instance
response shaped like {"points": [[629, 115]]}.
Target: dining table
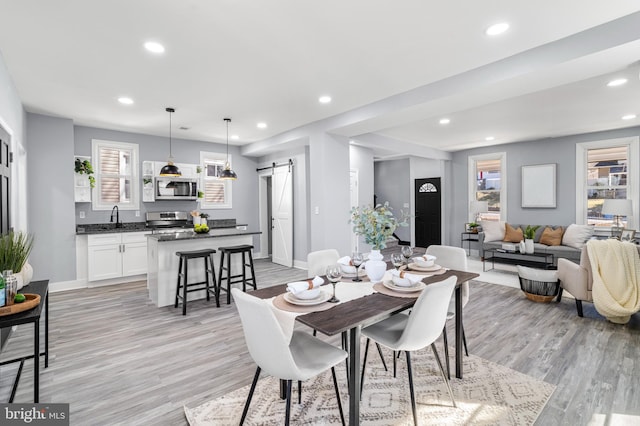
{"points": [[353, 315]]}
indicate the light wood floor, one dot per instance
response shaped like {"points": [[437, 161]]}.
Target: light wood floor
{"points": [[117, 359]]}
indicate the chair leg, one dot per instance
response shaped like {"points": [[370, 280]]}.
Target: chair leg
{"points": [[299, 392], [395, 358], [446, 381], [464, 342], [446, 350], [364, 366], [559, 298], [384, 364], [253, 387], [206, 278], [216, 290], [288, 411], [579, 307], [184, 287], [228, 278], [335, 385], [178, 283], [413, 396]]}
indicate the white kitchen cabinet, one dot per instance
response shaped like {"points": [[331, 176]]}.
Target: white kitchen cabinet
{"points": [[148, 174], [116, 255]]}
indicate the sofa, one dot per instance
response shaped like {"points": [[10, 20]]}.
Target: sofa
{"points": [[573, 239]]}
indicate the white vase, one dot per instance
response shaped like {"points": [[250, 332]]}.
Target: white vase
{"points": [[375, 266], [528, 246], [522, 247], [27, 273], [19, 280]]}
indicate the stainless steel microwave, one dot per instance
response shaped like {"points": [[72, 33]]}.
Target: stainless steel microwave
{"points": [[176, 188]]}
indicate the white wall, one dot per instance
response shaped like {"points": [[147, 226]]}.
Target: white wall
{"points": [[393, 184], [361, 160]]}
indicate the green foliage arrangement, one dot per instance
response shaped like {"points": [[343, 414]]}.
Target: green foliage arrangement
{"points": [[376, 224], [530, 231], [84, 167], [15, 248]]}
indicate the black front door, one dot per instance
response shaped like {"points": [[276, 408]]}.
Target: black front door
{"points": [[427, 212]]}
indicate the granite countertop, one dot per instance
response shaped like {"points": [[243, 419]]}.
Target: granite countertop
{"points": [[108, 228], [213, 233]]}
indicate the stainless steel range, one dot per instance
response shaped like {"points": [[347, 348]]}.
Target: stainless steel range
{"points": [[168, 222]]}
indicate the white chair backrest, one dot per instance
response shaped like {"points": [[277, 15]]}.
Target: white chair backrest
{"points": [[452, 258], [317, 261], [267, 343], [428, 316]]}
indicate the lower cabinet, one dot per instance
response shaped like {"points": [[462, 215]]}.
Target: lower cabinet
{"points": [[116, 255]]}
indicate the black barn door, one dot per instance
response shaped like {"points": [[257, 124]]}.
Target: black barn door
{"points": [[427, 212]]}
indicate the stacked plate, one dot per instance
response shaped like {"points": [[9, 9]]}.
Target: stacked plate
{"points": [[321, 298]]}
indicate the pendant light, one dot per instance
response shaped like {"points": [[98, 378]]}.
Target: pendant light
{"points": [[227, 173], [170, 169]]}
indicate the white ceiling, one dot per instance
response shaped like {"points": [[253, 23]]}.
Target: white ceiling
{"points": [[393, 69]]}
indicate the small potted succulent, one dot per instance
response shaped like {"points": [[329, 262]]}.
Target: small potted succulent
{"points": [[474, 227]]}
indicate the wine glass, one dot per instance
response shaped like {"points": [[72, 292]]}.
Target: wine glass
{"points": [[397, 260], [407, 252], [334, 274], [357, 259]]}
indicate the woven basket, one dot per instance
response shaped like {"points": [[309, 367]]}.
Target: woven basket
{"points": [[539, 291]]}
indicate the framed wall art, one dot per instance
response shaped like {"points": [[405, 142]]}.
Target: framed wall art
{"points": [[539, 186]]}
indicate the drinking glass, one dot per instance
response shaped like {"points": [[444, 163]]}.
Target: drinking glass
{"points": [[334, 274], [397, 260], [357, 259], [407, 252]]}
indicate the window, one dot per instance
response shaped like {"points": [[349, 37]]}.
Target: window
{"points": [[217, 192], [116, 172], [487, 182], [606, 170]]}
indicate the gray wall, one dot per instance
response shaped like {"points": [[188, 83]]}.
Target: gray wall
{"points": [[561, 151], [392, 183], [51, 205]]}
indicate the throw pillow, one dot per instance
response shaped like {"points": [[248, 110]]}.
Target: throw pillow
{"points": [[513, 235], [552, 237], [493, 230], [577, 235]]}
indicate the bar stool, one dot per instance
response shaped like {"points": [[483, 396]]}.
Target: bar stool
{"points": [[240, 278], [188, 287]]}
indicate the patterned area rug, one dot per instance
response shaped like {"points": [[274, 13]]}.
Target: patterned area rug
{"points": [[489, 394]]}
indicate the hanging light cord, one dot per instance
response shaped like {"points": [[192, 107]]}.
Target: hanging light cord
{"points": [[170, 153]]}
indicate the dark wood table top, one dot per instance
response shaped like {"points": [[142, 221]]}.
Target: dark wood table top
{"points": [[36, 287], [363, 311]]}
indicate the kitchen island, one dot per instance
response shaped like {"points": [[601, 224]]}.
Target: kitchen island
{"points": [[162, 261]]}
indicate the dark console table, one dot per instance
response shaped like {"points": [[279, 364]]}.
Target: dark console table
{"points": [[532, 260], [31, 316]]}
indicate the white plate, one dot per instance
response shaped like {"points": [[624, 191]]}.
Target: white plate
{"points": [[322, 297], [433, 268], [361, 273], [391, 286]]}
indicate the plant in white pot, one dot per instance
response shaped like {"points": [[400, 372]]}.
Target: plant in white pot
{"points": [[376, 225], [529, 235], [15, 248]]}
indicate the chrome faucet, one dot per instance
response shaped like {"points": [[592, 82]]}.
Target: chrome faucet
{"points": [[118, 223]]}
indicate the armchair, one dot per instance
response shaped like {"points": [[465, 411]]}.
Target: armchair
{"points": [[577, 279]]}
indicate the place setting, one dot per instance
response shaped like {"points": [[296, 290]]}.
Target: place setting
{"points": [[424, 265], [353, 267], [398, 283], [305, 296]]}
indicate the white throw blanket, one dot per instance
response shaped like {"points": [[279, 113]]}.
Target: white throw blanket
{"points": [[616, 279]]}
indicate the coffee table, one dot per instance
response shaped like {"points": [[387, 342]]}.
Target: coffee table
{"points": [[532, 260]]}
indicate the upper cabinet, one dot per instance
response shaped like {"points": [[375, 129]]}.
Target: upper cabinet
{"points": [[83, 179], [147, 181]]}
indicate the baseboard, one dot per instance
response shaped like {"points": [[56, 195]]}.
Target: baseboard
{"points": [[67, 285], [299, 264]]}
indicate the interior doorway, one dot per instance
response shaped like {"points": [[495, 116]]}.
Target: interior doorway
{"points": [[276, 214], [353, 188], [428, 213]]}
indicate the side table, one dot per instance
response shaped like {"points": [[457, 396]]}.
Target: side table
{"points": [[31, 316], [468, 237]]}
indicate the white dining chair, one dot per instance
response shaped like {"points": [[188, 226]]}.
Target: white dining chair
{"points": [[402, 332], [452, 258], [300, 358], [317, 261]]}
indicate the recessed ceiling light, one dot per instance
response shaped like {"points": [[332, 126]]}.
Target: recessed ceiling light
{"points": [[445, 121], [497, 29], [629, 117], [324, 99], [235, 137], [154, 47], [489, 138], [262, 125], [617, 82], [125, 100]]}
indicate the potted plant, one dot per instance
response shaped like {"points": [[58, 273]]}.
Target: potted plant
{"points": [[203, 218], [376, 225], [15, 248], [529, 234], [83, 167], [474, 227]]}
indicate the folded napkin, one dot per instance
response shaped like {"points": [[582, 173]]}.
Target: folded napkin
{"points": [[346, 261], [415, 279], [426, 257], [300, 286]]}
